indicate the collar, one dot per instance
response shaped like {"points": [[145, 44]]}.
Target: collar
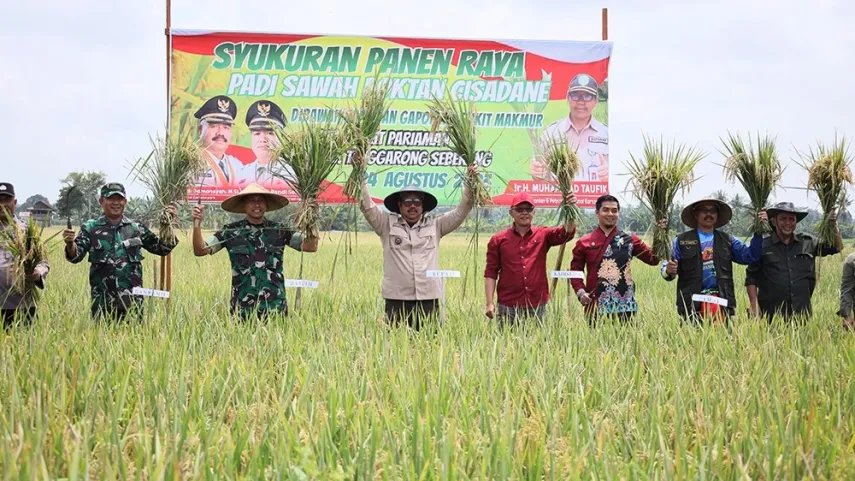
{"points": [[592, 124], [400, 220], [513, 230], [104, 221], [777, 240]]}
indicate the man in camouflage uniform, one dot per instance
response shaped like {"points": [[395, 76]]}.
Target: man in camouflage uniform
{"points": [[114, 244], [255, 246]]}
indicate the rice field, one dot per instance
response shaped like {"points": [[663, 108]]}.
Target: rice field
{"points": [[331, 393]]}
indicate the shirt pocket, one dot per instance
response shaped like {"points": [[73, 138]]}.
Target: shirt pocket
{"points": [[241, 256], [133, 248], [398, 238], [804, 263], [427, 237]]}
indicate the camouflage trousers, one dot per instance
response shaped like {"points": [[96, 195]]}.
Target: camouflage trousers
{"points": [[116, 306]]}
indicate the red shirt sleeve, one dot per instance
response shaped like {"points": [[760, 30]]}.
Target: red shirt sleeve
{"points": [[578, 263], [643, 252], [558, 235], [493, 261]]}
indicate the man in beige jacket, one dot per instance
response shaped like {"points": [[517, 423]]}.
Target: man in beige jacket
{"points": [[411, 248]]}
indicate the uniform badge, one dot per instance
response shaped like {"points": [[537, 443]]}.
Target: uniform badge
{"points": [[598, 140], [263, 109], [688, 242], [398, 241], [584, 80], [2, 187], [223, 105]]}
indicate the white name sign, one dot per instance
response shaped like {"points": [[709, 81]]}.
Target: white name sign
{"points": [[568, 275], [301, 283], [710, 299], [433, 274], [141, 291]]}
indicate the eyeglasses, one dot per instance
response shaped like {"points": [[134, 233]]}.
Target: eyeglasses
{"points": [[523, 210], [584, 96], [411, 202]]}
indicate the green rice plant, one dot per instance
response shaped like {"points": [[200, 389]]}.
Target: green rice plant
{"points": [[168, 171], [28, 247], [657, 176], [829, 176], [757, 168], [362, 123], [564, 165]]}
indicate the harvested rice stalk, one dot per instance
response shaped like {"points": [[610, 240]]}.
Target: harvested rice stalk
{"points": [[757, 168], [829, 175], [361, 126], [657, 176], [564, 164]]}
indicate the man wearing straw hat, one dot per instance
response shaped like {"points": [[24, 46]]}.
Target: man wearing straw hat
{"points": [[411, 247], [114, 244], [588, 137], [702, 261], [262, 117], [216, 118], [12, 302], [783, 280], [255, 246]]}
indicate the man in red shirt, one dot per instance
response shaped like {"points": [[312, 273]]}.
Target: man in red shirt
{"points": [[516, 257], [606, 255]]}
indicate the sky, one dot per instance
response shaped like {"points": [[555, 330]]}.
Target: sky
{"points": [[83, 82]]}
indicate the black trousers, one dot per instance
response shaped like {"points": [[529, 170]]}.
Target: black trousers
{"points": [[414, 313], [25, 316]]}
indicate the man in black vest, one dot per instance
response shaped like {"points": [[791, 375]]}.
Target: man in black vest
{"points": [[783, 280], [702, 262]]}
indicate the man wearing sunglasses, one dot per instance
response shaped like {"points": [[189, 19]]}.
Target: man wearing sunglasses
{"points": [[411, 248], [516, 257], [702, 261], [587, 136]]}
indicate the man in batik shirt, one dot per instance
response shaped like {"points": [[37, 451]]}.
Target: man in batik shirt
{"points": [[606, 254], [255, 246]]}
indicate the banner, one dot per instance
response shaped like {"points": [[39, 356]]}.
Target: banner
{"points": [[226, 85]]}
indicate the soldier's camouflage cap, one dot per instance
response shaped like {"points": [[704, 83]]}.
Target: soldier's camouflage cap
{"points": [[113, 188]]}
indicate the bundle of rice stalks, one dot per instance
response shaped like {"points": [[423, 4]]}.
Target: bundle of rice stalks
{"points": [[564, 164], [311, 150], [169, 171], [361, 126], [829, 175], [458, 122], [657, 176], [757, 168], [28, 248]]}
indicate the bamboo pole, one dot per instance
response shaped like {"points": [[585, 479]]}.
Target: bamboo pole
{"points": [[166, 264]]}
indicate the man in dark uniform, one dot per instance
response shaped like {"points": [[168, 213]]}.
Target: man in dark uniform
{"points": [[255, 246], [114, 244], [13, 302], [783, 280], [262, 118], [216, 118], [702, 262]]}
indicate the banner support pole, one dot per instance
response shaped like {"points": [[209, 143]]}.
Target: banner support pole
{"points": [[166, 263], [605, 24]]}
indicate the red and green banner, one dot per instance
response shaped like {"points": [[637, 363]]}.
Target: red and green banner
{"points": [[523, 91]]}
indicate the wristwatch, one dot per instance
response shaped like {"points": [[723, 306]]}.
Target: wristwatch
{"points": [[579, 293]]}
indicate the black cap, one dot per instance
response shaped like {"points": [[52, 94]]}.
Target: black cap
{"points": [[7, 189], [583, 83], [264, 115], [218, 110], [113, 188]]}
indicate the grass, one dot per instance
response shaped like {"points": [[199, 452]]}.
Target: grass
{"points": [[330, 393]]}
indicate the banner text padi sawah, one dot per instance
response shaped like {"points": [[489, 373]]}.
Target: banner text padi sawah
{"points": [[523, 91]]}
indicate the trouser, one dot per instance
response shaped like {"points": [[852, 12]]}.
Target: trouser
{"points": [[23, 315], [786, 312], [260, 314], [508, 315], [595, 317], [414, 313]]}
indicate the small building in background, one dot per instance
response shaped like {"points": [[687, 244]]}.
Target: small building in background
{"points": [[41, 212]]}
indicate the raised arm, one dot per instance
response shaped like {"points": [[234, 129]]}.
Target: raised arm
{"points": [[643, 252], [451, 220], [746, 254], [77, 247], [370, 210]]}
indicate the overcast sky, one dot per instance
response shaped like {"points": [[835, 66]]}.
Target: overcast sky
{"points": [[83, 81]]}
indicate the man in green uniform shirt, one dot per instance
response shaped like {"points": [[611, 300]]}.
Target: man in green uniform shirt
{"points": [[114, 244], [255, 246]]}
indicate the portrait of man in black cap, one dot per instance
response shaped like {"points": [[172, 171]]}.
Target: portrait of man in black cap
{"points": [[262, 118], [216, 118], [585, 134]]}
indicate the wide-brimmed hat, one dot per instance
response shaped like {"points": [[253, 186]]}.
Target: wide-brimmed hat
{"points": [[391, 200], [787, 207], [725, 213], [235, 203]]}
